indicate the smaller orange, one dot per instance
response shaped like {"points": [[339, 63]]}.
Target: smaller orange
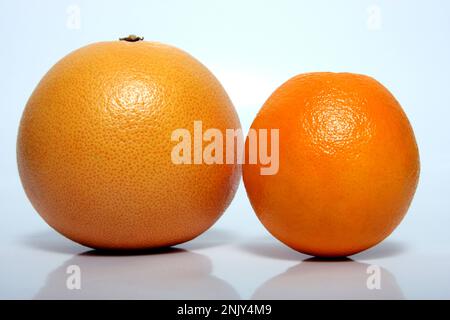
{"points": [[348, 164]]}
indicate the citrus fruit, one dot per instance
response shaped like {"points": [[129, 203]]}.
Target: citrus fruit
{"points": [[94, 146], [348, 164]]}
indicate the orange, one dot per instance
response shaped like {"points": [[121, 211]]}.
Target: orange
{"points": [[94, 146], [348, 164]]}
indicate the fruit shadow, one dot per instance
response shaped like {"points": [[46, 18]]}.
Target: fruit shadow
{"points": [[271, 248], [164, 273], [52, 241], [326, 278]]}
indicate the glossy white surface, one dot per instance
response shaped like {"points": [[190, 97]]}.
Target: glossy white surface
{"points": [[404, 44], [223, 263]]}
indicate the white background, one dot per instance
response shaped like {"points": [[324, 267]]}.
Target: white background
{"points": [[252, 47]]}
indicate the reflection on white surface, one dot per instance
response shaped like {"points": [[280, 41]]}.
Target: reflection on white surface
{"points": [[218, 265], [320, 279], [167, 274], [176, 273]]}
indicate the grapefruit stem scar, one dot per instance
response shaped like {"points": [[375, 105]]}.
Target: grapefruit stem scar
{"points": [[132, 38]]}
